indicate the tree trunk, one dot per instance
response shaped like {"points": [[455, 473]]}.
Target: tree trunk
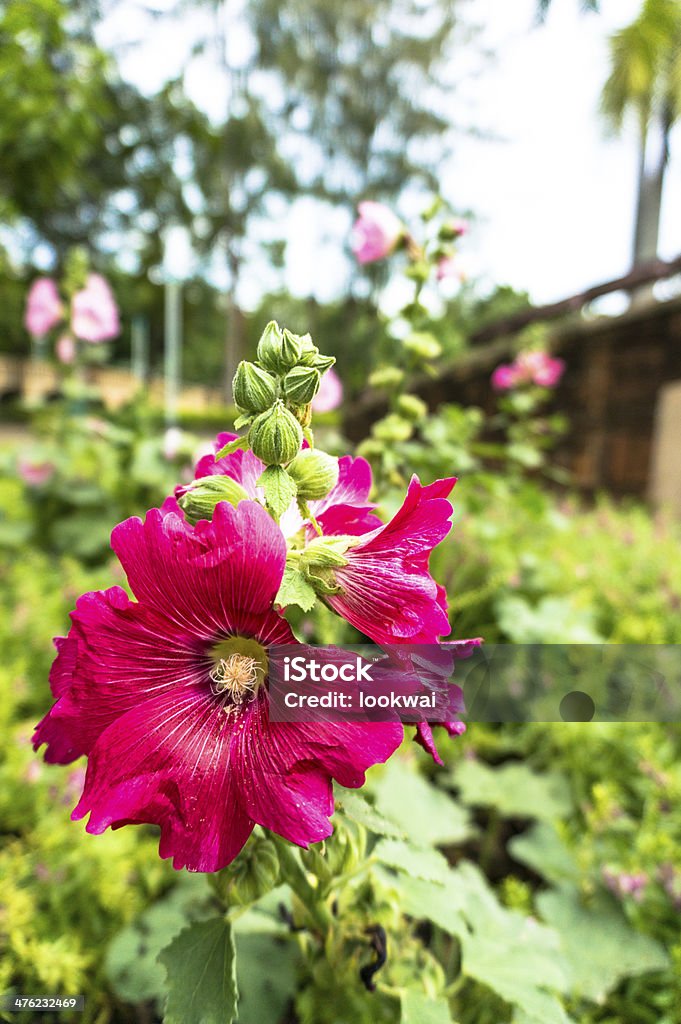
{"points": [[650, 188], [235, 332]]}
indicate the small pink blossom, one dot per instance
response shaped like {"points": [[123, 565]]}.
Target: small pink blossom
{"points": [[504, 377], [458, 226], [35, 474], [66, 349], [622, 884], [44, 308], [330, 394], [94, 315], [375, 233]]}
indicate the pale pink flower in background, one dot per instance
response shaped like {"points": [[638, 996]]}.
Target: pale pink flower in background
{"points": [[330, 394], [65, 349], [549, 373], [44, 308], [35, 474], [375, 233], [534, 367], [94, 315], [450, 268], [172, 442]]}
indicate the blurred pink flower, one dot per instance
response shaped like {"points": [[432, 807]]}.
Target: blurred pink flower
{"points": [[330, 394], [94, 315], [66, 349], [44, 308], [533, 367], [375, 233], [541, 368], [622, 884], [449, 267], [458, 226], [504, 377], [35, 474]]}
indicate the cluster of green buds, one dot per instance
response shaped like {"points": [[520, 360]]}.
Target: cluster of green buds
{"points": [[274, 397]]}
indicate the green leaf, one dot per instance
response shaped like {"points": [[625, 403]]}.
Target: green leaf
{"points": [[542, 849], [201, 976], [295, 589], [420, 1009], [264, 994], [131, 960], [513, 789], [233, 446], [441, 903], [599, 944], [361, 811], [419, 863], [279, 488], [426, 814]]}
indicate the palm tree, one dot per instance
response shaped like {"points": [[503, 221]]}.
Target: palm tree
{"points": [[645, 79]]}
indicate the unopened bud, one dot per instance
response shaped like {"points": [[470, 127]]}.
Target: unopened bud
{"points": [[319, 560], [253, 874], [269, 346], [275, 435], [423, 345], [254, 389], [412, 408], [290, 350], [301, 384], [393, 428], [308, 350], [201, 496], [386, 377], [315, 473]]}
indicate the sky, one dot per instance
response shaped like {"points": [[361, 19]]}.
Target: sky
{"points": [[552, 193]]}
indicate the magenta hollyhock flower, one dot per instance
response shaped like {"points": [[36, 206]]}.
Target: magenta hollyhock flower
{"points": [[345, 509], [94, 313], [167, 695], [375, 233], [330, 394], [505, 377], [387, 591], [44, 308]]}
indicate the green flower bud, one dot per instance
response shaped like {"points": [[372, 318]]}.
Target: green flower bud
{"points": [[303, 413], [412, 408], [254, 389], [321, 558], [201, 497], [275, 435], [269, 346], [423, 345], [301, 384], [254, 873], [314, 472], [393, 428], [308, 351], [386, 377], [323, 363]]}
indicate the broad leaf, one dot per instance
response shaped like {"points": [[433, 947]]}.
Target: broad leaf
{"points": [[413, 860], [513, 789], [426, 814], [201, 977], [361, 811], [280, 490], [264, 993], [419, 1009], [295, 589], [599, 944], [542, 849]]}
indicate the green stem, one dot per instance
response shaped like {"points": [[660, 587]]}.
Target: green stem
{"points": [[297, 878]]}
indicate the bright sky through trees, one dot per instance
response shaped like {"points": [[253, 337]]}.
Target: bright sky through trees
{"points": [[554, 195]]}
